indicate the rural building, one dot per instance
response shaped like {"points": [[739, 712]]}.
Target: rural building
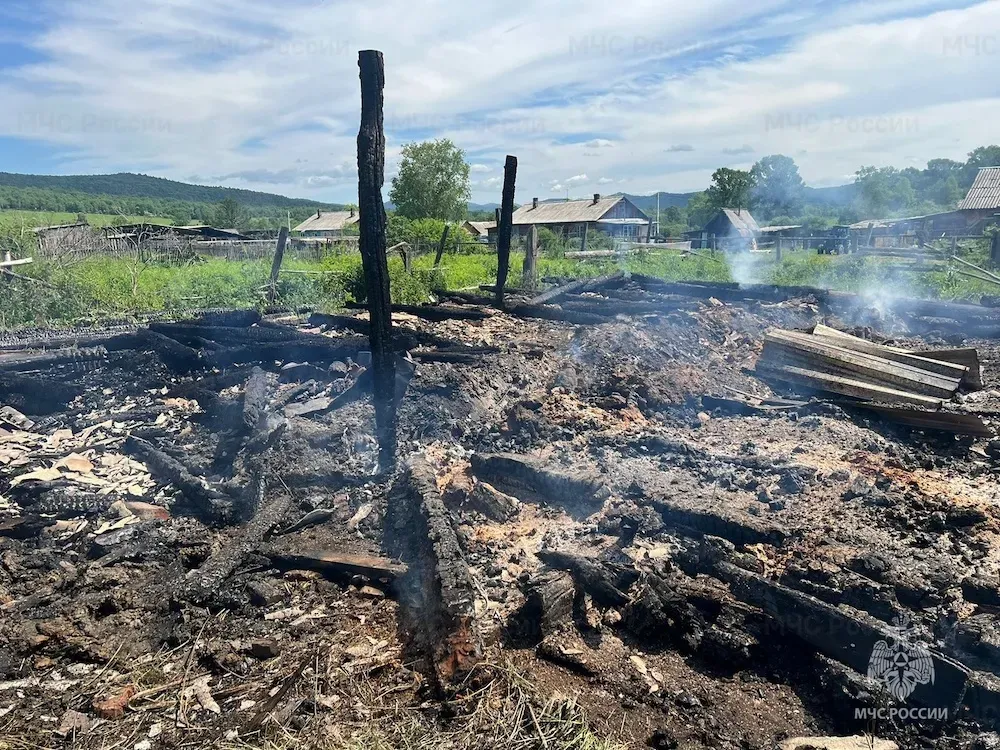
{"points": [[479, 229], [614, 215], [62, 239], [327, 223], [729, 229]]}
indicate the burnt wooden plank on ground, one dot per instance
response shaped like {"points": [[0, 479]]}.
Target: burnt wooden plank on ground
{"points": [[27, 361], [848, 637], [551, 312], [967, 357], [435, 313], [372, 223], [827, 383], [437, 592], [578, 492], [340, 566], [938, 421]]}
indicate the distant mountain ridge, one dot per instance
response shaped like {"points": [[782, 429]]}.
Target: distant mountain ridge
{"points": [[128, 184]]}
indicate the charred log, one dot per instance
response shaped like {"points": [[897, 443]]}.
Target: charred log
{"points": [[605, 581], [437, 591], [579, 492]]}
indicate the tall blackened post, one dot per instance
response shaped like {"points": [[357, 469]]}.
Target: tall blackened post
{"points": [[371, 175], [506, 226]]}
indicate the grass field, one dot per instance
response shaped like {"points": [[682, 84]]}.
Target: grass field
{"points": [[114, 288], [32, 219]]}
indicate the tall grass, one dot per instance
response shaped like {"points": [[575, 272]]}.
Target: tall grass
{"points": [[113, 288]]}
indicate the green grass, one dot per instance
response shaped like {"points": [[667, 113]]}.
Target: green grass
{"points": [[32, 219], [115, 288]]}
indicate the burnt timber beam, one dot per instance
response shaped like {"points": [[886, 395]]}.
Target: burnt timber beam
{"points": [[436, 592], [372, 222], [505, 228]]}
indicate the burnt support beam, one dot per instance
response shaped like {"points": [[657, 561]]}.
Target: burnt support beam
{"points": [[506, 226], [371, 175], [279, 256], [436, 593]]}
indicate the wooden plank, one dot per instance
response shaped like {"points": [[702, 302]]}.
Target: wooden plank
{"points": [[19, 262], [968, 357], [444, 241], [529, 270], [847, 341], [338, 565], [819, 354], [939, 421], [825, 382], [372, 223]]}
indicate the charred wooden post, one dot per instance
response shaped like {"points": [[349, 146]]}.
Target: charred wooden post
{"points": [[437, 593], [506, 226], [995, 250], [279, 256], [529, 272], [444, 241], [371, 175]]}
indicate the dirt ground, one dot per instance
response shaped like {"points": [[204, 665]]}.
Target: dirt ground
{"points": [[100, 645]]}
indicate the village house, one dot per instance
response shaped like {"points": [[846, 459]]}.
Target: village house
{"points": [[614, 215], [729, 229], [480, 230], [328, 223]]}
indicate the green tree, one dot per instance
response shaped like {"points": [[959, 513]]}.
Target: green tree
{"points": [[699, 210], [730, 188], [882, 190], [227, 214], [948, 193], [433, 182], [777, 185]]}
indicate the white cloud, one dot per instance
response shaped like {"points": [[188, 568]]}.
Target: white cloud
{"points": [[478, 168], [267, 95], [605, 181], [578, 179]]}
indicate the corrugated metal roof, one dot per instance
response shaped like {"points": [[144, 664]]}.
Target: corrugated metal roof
{"points": [[985, 191], [327, 221], [565, 212]]}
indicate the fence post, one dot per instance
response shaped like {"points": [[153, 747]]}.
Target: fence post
{"points": [[279, 255], [995, 249], [777, 250], [528, 271], [444, 240]]}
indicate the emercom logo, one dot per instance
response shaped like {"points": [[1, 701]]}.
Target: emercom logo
{"points": [[901, 663]]}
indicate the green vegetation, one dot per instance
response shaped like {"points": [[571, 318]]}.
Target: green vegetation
{"points": [[432, 183], [114, 288]]}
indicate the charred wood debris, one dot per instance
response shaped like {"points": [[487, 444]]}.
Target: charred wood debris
{"points": [[235, 450]]}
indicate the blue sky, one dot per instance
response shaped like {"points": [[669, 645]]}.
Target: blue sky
{"points": [[639, 96]]}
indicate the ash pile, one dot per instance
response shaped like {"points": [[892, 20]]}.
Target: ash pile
{"points": [[684, 515]]}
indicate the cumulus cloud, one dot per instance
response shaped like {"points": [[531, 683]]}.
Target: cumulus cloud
{"points": [[605, 181], [189, 87], [577, 179], [738, 150], [478, 168]]}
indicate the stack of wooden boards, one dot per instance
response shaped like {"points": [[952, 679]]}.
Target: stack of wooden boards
{"points": [[830, 361]]}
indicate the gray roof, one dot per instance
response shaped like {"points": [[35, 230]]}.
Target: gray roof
{"points": [[565, 212], [744, 223], [784, 228], [985, 191], [327, 221], [481, 227]]}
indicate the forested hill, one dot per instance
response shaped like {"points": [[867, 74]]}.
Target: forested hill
{"points": [[126, 184]]}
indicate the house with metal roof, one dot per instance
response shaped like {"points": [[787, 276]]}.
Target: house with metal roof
{"points": [[328, 223], [729, 229], [614, 215], [479, 229]]}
